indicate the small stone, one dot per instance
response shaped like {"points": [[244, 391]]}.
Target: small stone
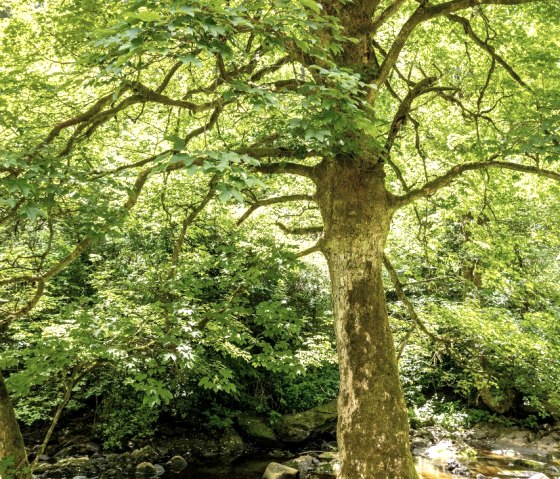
{"points": [[480, 476], [146, 469], [539, 476], [160, 470], [44, 458]]}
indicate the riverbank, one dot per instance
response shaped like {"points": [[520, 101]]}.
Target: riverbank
{"points": [[303, 443]]}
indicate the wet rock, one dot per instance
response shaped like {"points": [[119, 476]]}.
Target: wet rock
{"points": [[65, 468], [461, 471], [327, 469], [442, 451], [329, 456], [529, 464], [146, 469], [145, 454], [505, 452], [176, 463], [304, 464], [279, 471], [301, 426], [258, 430]]}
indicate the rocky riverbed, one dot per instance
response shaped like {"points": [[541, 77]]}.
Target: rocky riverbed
{"points": [[300, 446]]}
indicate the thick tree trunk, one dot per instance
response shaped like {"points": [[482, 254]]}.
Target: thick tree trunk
{"points": [[11, 441], [373, 434]]}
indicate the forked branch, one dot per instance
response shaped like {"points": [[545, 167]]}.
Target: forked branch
{"points": [[423, 13], [442, 181], [489, 49], [272, 201]]}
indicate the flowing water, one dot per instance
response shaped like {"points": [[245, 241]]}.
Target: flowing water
{"points": [[491, 465]]}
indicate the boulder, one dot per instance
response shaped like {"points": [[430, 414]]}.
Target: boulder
{"points": [[304, 425], [176, 463], [279, 471], [258, 430], [146, 469], [145, 454]]}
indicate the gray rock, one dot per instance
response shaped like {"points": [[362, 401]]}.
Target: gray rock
{"points": [[480, 476], [301, 426], [146, 469], [160, 470], [145, 454], [279, 471], [539, 476], [304, 464], [66, 468]]}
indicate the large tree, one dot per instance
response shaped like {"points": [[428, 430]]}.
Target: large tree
{"points": [[334, 93]]}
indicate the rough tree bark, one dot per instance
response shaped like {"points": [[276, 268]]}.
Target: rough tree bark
{"points": [[11, 441], [373, 431]]}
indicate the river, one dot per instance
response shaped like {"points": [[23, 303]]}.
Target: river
{"points": [[488, 464]]}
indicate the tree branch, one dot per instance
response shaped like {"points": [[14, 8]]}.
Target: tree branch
{"points": [[304, 230], [287, 167], [41, 280], [489, 49], [318, 247], [445, 180], [422, 14], [386, 14], [404, 109], [414, 316], [272, 201]]}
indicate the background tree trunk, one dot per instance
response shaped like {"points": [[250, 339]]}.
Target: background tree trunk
{"points": [[11, 441], [373, 431]]}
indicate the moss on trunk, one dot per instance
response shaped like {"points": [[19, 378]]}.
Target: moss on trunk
{"points": [[373, 431], [11, 442]]}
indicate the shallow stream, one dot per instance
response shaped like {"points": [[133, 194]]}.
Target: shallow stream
{"points": [[491, 465]]}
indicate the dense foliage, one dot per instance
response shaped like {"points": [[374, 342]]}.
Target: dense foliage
{"points": [[134, 136]]}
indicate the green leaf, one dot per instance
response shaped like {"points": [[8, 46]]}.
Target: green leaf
{"points": [[312, 5], [145, 16], [225, 196], [190, 60]]}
